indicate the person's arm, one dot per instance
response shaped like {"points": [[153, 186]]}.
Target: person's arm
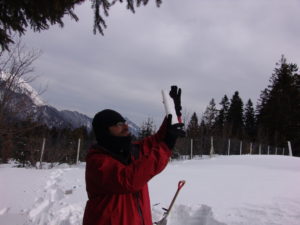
{"points": [[111, 176]]}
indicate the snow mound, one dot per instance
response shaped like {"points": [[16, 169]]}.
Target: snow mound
{"points": [[186, 215]]}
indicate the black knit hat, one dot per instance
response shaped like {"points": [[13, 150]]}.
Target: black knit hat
{"points": [[104, 119]]}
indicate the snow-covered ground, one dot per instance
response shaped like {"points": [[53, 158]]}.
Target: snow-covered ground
{"points": [[232, 190]]}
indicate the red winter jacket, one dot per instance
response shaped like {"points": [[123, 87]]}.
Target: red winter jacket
{"points": [[118, 194]]}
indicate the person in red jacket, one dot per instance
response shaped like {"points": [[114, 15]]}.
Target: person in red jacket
{"points": [[117, 170]]}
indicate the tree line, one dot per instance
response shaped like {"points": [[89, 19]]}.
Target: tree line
{"points": [[61, 144], [274, 121]]}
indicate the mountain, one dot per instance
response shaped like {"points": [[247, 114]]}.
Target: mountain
{"points": [[25, 102], [62, 119], [71, 119]]}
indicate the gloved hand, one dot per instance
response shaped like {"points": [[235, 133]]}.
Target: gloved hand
{"points": [[173, 132], [175, 94]]}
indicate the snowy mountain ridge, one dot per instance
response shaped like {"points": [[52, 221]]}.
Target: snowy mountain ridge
{"points": [[52, 117], [49, 115], [72, 119], [24, 88]]}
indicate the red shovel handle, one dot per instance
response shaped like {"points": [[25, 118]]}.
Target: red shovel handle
{"points": [[180, 184], [179, 119]]}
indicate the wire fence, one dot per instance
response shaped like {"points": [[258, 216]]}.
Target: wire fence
{"points": [[222, 146], [73, 151]]}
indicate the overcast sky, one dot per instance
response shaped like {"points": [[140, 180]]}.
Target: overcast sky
{"points": [[209, 48]]}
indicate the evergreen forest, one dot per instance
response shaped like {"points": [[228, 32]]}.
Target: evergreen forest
{"points": [[273, 121]]}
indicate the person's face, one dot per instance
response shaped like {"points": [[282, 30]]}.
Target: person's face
{"points": [[120, 129]]}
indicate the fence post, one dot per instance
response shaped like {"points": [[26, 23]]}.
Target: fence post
{"points": [[228, 150], [78, 150], [259, 149], [241, 147], [211, 146], [268, 149], [42, 152], [290, 148], [192, 142], [283, 151], [251, 148]]}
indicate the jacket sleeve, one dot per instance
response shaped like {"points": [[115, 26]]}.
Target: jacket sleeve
{"points": [[111, 176]]}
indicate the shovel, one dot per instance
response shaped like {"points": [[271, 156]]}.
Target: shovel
{"points": [[163, 221]]}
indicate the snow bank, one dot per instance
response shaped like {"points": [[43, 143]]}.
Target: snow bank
{"points": [[232, 190]]}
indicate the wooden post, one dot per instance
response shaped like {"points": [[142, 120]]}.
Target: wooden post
{"points": [[192, 142], [78, 150], [42, 152], [268, 149], [290, 148], [228, 150], [275, 150], [260, 149], [211, 146], [251, 148], [241, 147]]}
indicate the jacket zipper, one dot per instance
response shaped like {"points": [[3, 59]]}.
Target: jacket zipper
{"points": [[137, 195]]}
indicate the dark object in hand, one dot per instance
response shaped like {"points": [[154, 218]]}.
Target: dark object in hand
{"points": [[174, 131], [175, 94]]}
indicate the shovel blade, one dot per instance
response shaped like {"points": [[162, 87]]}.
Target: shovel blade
{"points": [[163, 221]]}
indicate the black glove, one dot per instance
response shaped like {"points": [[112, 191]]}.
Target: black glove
{"points": [[173, 132], [175, 94]]}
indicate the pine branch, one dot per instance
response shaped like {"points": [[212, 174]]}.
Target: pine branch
{"points": [[104, 5], [17, 15]]}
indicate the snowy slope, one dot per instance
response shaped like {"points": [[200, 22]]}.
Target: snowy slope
{"points": [[24, 88], [232, 190]]}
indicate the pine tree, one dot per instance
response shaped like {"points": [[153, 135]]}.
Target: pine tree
{"points": [[202, 128], [235, 115], [262, 101], [250, 120], [278, 115], [222, 115], [210, 115], [17, 15], [193, 130]]}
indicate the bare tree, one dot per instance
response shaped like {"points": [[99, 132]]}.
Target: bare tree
{"points": [[148, 128], [15, 99]]}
